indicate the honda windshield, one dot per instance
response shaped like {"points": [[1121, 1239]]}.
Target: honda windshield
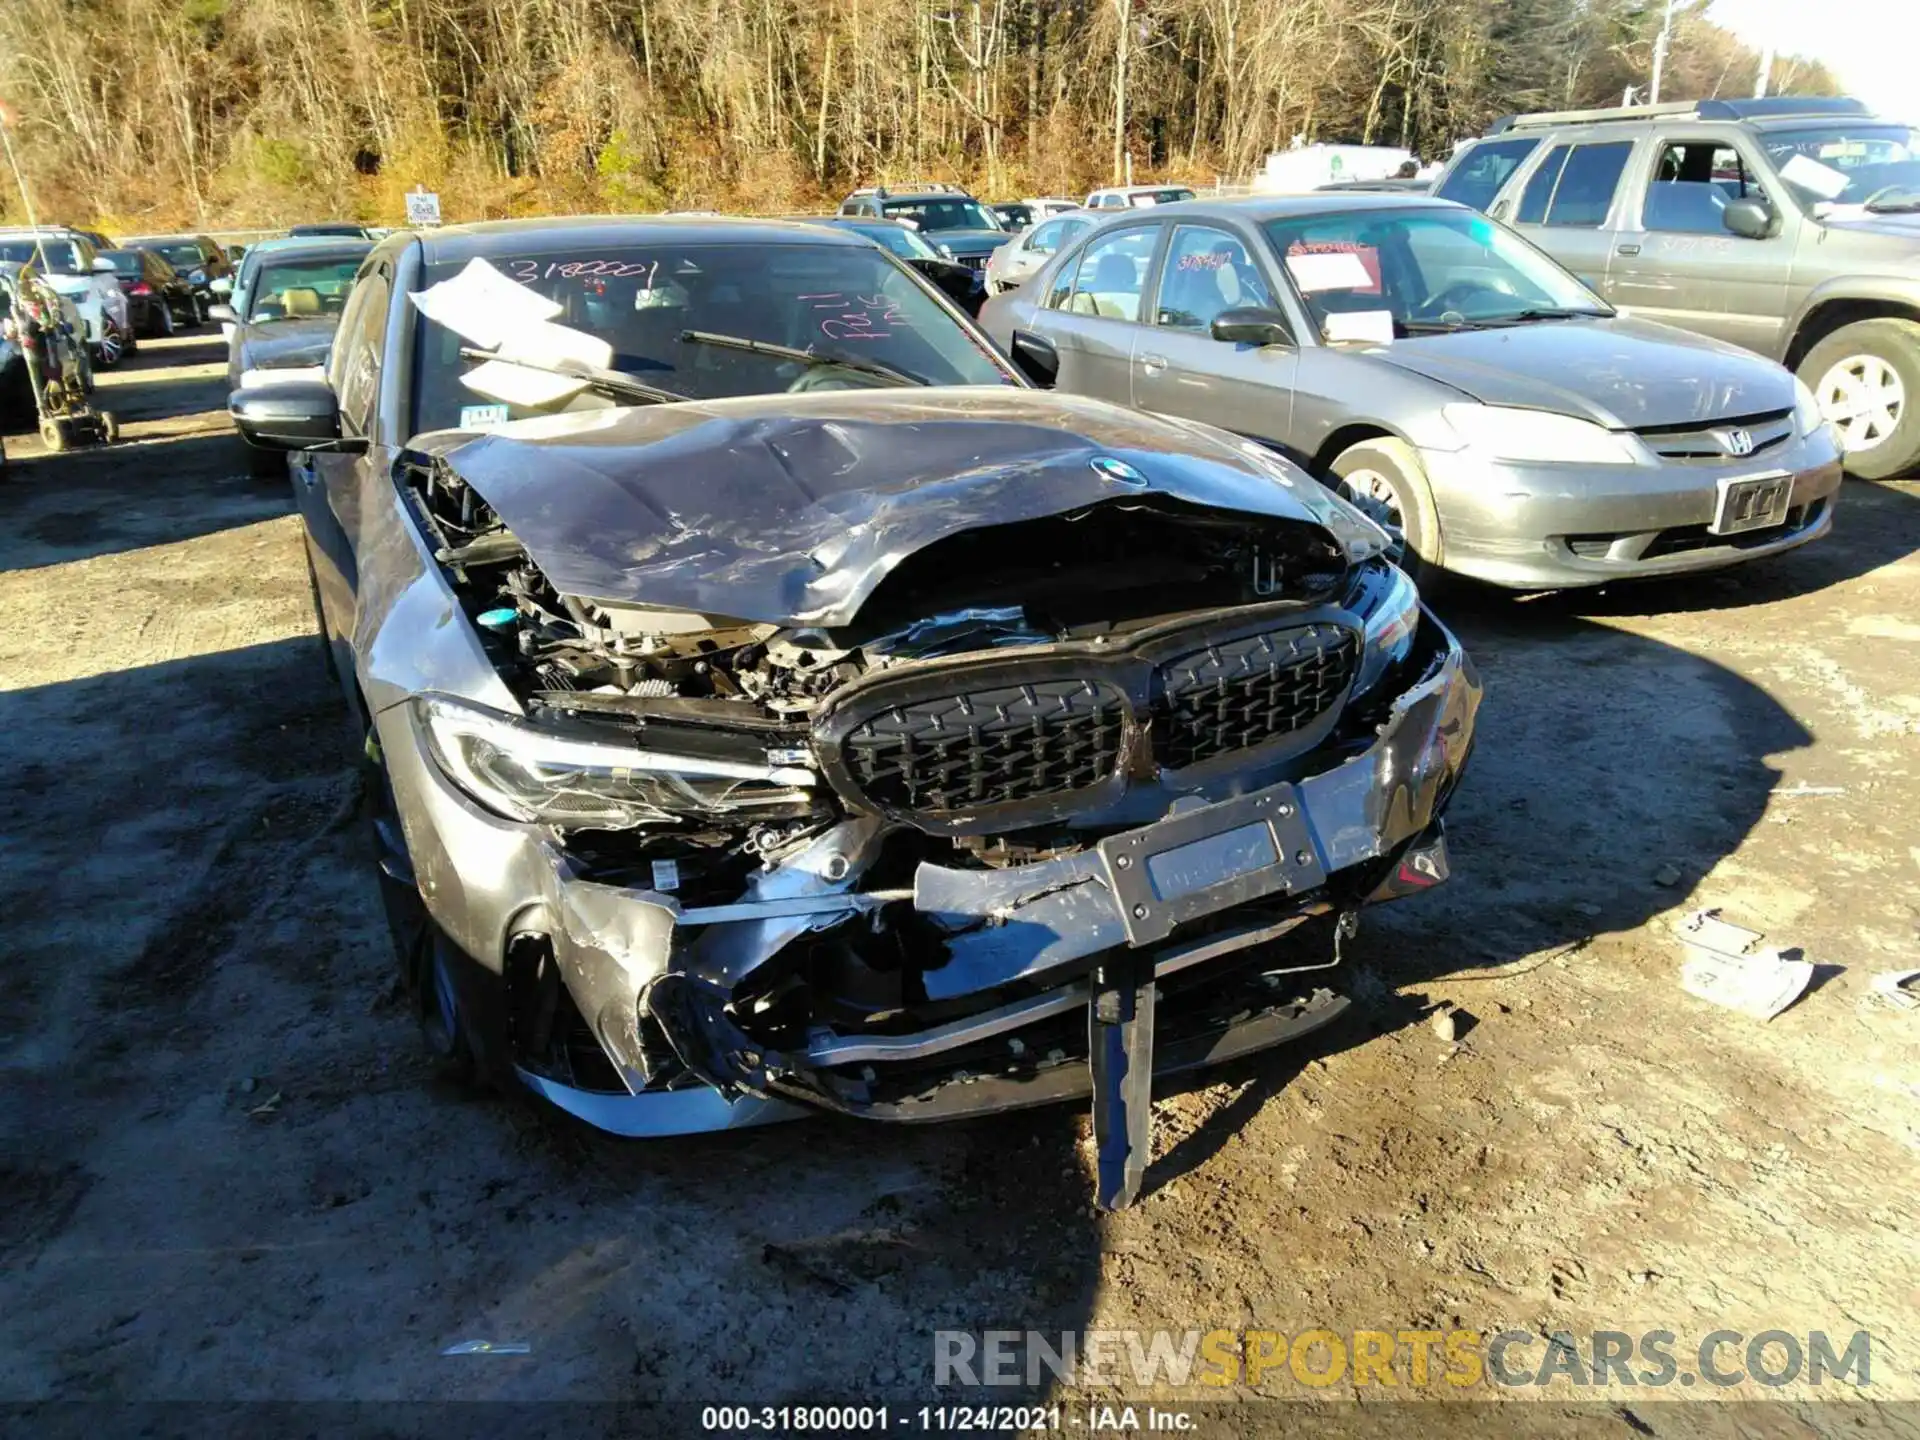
{"points": [[1380, 274]]}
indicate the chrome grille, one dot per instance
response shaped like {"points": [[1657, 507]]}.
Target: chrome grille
{"points": [[989, 747], [1249, 692], [1713, 444]]}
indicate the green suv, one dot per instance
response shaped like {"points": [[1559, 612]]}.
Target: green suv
{"points": [[1788, 225]]}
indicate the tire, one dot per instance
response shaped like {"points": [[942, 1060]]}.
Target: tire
{"points": [[159, 317], [56, 435], [1384, 479], [199, 310], [427, 957], [1866, 377], [86, 370], [113, 346], [109, 426]]}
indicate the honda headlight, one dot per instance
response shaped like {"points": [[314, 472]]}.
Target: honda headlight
{"points": [[1530, 436], [1807, 416], [1389, 607], [547, 777], [197, 277]]}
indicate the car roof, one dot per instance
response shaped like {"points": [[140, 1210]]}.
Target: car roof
{"points": [[453, 243], [1261, 208], [321, 245], [166, 240]]}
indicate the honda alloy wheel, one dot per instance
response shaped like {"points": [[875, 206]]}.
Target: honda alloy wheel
{"points": [[113, 346], [1862, 397]]}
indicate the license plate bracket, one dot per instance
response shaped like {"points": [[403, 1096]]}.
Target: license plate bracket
{"points": [[1193, 864], [1750, 502]]}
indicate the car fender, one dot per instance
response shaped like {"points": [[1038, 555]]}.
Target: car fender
{"points": [[1883, 292]]}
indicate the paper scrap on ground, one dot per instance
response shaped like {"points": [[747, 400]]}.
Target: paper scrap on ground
{"points": [[489, 1347], [1810, 174], [1725, 966], [1373, 326], [1898, 988], [1336, 270], [482, 305]]}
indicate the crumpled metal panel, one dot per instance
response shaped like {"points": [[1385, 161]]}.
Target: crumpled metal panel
{"points": [[790, 509]]}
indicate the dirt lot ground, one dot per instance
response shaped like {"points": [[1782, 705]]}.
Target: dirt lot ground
{"points": [[226, 1172]]}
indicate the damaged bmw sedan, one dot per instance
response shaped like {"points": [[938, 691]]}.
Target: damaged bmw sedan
{"points": [[778, 705]]}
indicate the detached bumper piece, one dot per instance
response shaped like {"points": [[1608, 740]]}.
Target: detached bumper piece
{"points": [[1120, 1051]]}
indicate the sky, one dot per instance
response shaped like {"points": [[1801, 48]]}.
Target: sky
{"points": [[1872, 45]]}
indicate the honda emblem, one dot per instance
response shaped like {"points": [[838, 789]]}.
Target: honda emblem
{"points": [[1737, 441]]}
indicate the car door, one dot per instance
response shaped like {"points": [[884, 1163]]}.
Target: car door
{"points": [[1675, 260], [1568, 202], [1038, 246], [326, 486], [1180, 369], [1092, 314]]}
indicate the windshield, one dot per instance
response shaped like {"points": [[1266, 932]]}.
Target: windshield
{"points": [[944, 214], [183, 257], [303, 290], [900, 240], [63, 256], [629, 309], [1873, 165], [125, 262], [1417, 271]]}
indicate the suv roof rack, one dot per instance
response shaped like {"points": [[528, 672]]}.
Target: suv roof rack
{"points": [[915, 187], [1769, 107]]}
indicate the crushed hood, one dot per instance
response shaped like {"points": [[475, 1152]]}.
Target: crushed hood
{"points": [[1621, 373], [790, 509]]}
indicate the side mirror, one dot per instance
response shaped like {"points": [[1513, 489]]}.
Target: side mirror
{"points": [[1749, 218], [103, 266], [296, 415], [1037, 359], [223, 313], [1251, 325]]}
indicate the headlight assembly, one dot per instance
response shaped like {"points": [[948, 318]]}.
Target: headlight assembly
{"points": [[1806, 409], [540, 776], [1389, 607], [1535, 436]]}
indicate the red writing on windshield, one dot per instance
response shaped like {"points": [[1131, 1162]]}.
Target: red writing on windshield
{"points": [[855, 317], [1369, 257]]}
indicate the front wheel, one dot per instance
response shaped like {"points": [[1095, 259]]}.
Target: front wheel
{"points": [[1866, 378], [1384, 480], [162, 317], [112, 348]]}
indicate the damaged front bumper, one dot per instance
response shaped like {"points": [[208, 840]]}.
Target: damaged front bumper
{"points": [[1058, 973]]}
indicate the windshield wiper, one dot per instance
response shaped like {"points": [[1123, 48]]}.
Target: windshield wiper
{"points": [[1494, 322], [612, 383], [855, 363]]}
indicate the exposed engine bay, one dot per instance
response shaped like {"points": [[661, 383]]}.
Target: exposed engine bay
{"points": [[943, 840]]}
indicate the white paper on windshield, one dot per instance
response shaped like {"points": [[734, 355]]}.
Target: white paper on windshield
{"points": [[1810, 174], [539, 342], [1375, 327], [482, 305], [1329, 270]]}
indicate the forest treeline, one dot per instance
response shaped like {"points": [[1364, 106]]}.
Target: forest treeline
{"points": [[239, 112]]}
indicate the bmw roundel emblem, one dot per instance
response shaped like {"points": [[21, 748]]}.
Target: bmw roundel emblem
{"points": [[1118, 471]]}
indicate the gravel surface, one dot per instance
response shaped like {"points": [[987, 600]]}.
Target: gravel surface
{"points": [[226, 1171]]}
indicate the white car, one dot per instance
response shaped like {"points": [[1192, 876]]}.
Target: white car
{"points": [[75, 270], [1136, 197], [1010, 265]]}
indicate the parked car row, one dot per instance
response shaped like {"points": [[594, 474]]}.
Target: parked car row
{"points": [[787, 694]]}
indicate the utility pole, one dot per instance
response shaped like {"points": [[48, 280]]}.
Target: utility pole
{"points": [[1766, 73], [1661, 41]]}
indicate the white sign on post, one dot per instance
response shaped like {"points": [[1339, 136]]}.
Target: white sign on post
{"points": [[423, 208]]}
